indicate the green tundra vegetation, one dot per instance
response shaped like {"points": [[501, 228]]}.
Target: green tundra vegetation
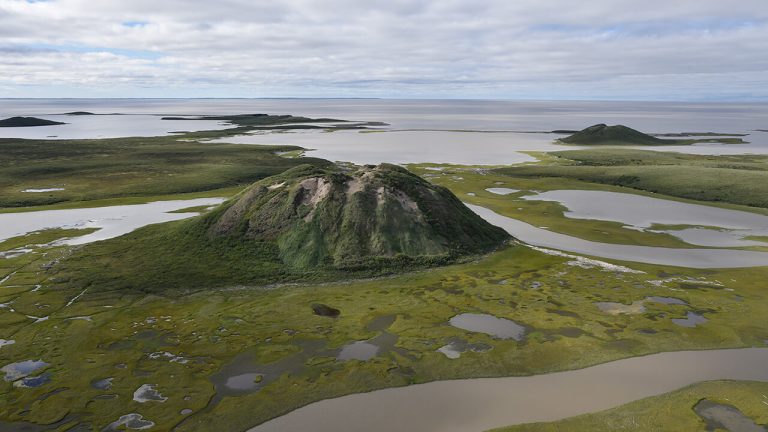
{"points": [[92, 334], [184, 318]]}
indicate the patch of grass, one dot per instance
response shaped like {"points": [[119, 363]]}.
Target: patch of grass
{"points": [[211, 327]]}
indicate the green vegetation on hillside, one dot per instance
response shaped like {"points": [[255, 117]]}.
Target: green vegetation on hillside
{"points": [[27, 122], [305, 224], [668, 412], [602, 134], [739, 179]]}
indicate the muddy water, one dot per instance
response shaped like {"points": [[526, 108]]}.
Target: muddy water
{"points": [[475, 405]]}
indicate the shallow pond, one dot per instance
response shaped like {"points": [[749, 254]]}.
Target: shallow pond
{"points": [[112, 221], [483, 404], [494, 326], [457, 346], [102, 384], [721, 416], [502, 191], [665, 300], [612, 308], [244, 382], [642, 212], [130, 421], [692, 319], [148, 393], [43, 190], [33, 382], [693, 258], [713, 237], [358, 350], [15, 371]]}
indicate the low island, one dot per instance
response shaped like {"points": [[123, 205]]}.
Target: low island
{"points": [[27, 122]]}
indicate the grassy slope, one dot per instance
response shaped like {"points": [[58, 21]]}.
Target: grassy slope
{"points": [[669, 412], [126, 167], [730, 179]]}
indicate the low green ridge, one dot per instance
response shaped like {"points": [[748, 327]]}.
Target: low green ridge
{"points": [[288, 122], [27, 122], [308, 223], [603, 134]]}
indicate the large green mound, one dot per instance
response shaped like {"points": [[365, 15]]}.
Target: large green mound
{"points": [[602, 134], [308, 223], [27, 122]]}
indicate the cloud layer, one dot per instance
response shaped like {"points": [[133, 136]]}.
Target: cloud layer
{"points": [[545, 49]]}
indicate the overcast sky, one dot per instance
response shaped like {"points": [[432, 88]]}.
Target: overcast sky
{"points": [[501, 49]]}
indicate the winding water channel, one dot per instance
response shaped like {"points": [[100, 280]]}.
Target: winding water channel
{"points": [[474, 405], [692, 258]]}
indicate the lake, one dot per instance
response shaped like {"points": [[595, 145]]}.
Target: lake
{"points": [[410, 145]]}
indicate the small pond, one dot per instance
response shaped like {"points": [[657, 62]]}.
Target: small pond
{"points": [[500, 328]]}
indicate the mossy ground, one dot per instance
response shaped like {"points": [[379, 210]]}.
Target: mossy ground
{"points": [[551, 297]]}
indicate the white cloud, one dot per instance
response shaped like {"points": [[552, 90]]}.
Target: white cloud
{"points": [[689, 49]]}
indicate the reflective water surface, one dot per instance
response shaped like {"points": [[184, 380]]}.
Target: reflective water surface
{"points": [[475, 405]]}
